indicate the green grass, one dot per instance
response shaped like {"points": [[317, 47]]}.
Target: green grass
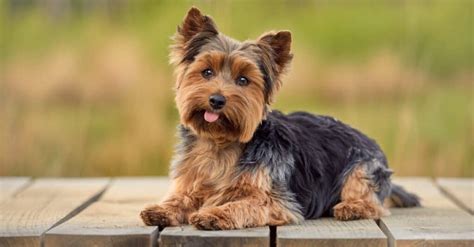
{"points": [[438, 32], [423, 51]]}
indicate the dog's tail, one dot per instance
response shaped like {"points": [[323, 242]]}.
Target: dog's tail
{"points": [[400, 198]]}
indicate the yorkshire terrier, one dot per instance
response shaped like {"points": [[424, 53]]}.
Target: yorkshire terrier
{"points": [[240, 164]]}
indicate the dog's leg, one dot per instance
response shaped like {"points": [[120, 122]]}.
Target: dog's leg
{"points": [[174, 210], [249, 203], [233, 215], [171, 212], [359, 199], [248, 212]]}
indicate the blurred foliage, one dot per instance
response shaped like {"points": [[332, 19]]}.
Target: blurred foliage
{"points": [[86, 89]]}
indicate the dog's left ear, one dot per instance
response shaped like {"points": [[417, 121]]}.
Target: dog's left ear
{"points": [[194, 24], [279, 44]]}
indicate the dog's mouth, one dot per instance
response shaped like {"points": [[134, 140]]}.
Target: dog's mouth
{"points": [[208, 120], [211, 117]]}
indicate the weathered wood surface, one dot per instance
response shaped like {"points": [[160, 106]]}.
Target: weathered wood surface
{"points": [[104, 212], [45, 203], [330, 232], [113, 220], [460, 190], [438, 222], [11, 185], [185, 236], [141, 190]]}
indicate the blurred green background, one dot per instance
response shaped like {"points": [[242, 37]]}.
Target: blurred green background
{"points": [[86, 88]]}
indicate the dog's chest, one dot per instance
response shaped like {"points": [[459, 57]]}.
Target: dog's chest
{"points": [[208, 169]]}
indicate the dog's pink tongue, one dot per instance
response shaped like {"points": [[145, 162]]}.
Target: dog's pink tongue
{"points": [[210, 116]]}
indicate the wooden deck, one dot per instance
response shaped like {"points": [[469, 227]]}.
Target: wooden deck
{"points": [[104, 212]]}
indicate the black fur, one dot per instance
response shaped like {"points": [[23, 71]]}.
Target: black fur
{"points": [[268, 83], [193, 47], [310, 156], [403, 199], [212, 40]]}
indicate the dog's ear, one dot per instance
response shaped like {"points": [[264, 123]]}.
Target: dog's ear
{"points": [[279, 45], [194, 24], [275, 58]]}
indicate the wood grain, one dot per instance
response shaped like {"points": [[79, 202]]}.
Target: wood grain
{"points": [[69, 212], [189, 236], [11, 185], [141, 189], [461, 190], [45, 203], [113, 220], [438, 222], [330, 232]]}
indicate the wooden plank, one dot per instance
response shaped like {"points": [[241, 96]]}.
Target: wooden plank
{"points": [[45, 203], [431, 197], [438, 222], [461, 190], [143, 189], [113, 220], [184, 236], [11, 185], [330, 232]]}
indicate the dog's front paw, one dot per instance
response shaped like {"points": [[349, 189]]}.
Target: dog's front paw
{"points": [[354, 211], [212, 219], [158, 216]]}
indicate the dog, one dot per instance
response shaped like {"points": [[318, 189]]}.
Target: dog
{"points": [[240, 164]]}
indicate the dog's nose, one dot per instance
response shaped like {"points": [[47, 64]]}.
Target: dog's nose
{"points": [[217, 101]]}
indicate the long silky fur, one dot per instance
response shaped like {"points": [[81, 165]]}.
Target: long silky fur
{"points": [[253, 166]]}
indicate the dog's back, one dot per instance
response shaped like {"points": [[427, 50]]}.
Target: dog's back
{"points": [[316, 157]]}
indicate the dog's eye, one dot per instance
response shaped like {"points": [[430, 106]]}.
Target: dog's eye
{"points": [[207, 73], [242, 81]]}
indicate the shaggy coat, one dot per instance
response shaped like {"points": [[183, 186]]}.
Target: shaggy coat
{"points": [[239, 164]]}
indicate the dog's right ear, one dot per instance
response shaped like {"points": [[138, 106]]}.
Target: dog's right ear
{"points": [[194, 24]]}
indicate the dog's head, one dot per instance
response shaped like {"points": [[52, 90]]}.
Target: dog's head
{"points": [[224, 86]]}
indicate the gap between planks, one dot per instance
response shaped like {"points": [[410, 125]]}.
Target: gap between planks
{"points": [[76, 211], [42, 205], [114, 219], [438, 222], [433, 201], [323, 232], [458, 190]]}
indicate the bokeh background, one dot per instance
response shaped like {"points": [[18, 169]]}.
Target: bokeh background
{"points": [[86, 88]]}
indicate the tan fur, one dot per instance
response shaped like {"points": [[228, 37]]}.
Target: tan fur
{"points": [[209, 191], [245, 202], [358, 198], [210, 194], [245, 107], [389, 203], [193, 23], [280, 43]]}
